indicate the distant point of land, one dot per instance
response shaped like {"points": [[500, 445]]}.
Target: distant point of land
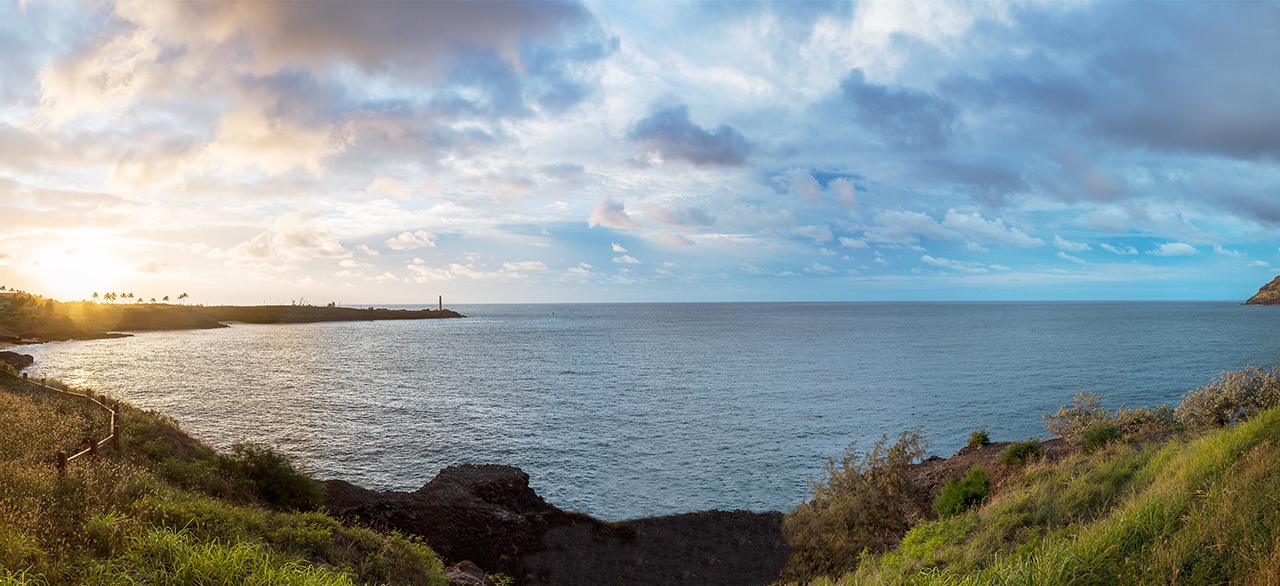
{"points": [[35, 319], [1269, 294]]}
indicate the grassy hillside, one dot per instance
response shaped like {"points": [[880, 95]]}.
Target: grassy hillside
{"points": [[169, 510], [1192, 500]]}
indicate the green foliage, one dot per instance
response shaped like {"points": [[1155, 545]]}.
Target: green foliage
{"points": [[274, 477], [1234, 396], [979, 438], [958, 495], [1072, 422], [864, 503], [1144, 420], [1020, 453], [1099, 435], [134, 518]]}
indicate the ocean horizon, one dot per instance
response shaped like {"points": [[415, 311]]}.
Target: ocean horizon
{"points": [[625, 410]]}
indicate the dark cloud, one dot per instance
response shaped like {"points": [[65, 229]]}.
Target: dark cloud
{"points": [[903, 117], [670, 132], [395, 37]]}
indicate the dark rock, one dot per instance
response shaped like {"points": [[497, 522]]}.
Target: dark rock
{"points": [[465, 573], [489, 515], [18, 361]]}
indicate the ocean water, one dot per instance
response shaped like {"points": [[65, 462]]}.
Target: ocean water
{"points": [[629, 410]]}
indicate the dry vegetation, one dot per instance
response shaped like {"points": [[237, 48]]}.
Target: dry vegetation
{"points": [[1184, 495]]}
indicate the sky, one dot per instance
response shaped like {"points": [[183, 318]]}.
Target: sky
{"points": [[607, 151]]}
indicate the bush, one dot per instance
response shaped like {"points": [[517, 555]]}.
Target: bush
{"points": [[1071, 422], [1234, 396], [979, 438], [1019, 453], [863, 503], [1101, 434], [274, 478], [958, 495], [1144, 420]]}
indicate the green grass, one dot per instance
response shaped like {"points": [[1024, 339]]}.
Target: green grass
{"points": [[169, 510], [1190, 509]]}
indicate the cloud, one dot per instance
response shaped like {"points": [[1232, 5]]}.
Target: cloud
{"points": [[617, 247], [1070, 246], [853, 243], [366, 250], [905, 227], [425, 273], [688, 216], [1227, 252], [1174, 249], [292, 238], [528, 265], [1064, 256], [626, 259], [819, 268], [669, 132], [800, 183], [1118, 249], [611, 214], [844, 192], [955, 265], [974, 226], [389, 187], [903, 117], [412, 240]]}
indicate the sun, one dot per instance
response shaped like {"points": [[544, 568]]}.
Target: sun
{"points": [[77, 267]]}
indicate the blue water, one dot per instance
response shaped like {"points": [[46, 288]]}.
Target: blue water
{"points": [[633, 410]]}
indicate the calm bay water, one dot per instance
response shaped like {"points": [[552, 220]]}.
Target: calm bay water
{"points": [[623, 411]]}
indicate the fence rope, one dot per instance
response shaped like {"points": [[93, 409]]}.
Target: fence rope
{"points": [[94, 446]]}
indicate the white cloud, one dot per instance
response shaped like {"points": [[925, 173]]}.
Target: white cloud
{"points": [[528, 265], [854, 243], [618, 247], [842, 189], [412, 240], [905, 227], [1070, 246], [1064, 256], [817, 267], [1227, 252], [389, 187], [366, 250], [802, 184], [1118, 249], [626, 259], [955, 265], [1174, 249], [974, 226]]}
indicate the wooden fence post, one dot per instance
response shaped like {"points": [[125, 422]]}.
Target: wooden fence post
{"points": [[93, 448], [118, 442], [62, 463]]}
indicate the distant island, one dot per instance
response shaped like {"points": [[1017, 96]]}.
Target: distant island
{"points": [[1269, 294], [29, 319]]}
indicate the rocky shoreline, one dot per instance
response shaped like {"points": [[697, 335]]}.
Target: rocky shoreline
{"points": [[488, 515]]}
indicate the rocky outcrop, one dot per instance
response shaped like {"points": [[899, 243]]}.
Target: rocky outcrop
{"points": [[18, 361], [1269, 294], [489, 515]]}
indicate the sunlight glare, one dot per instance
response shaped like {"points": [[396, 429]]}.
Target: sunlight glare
{"points": [[77, 268]]}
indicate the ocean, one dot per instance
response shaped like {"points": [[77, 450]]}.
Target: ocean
{"points": [[631, 410]]}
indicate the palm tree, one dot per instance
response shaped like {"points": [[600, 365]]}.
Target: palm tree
{"points": [[95, 296], [166, 299], [183, 297]]}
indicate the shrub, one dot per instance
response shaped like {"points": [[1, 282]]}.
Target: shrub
{"points": [[1019, 453], [958, 495], [274, 478], [979, 438], [1071, 422], [1101, 434], [1234, 396], [863, 503], [1143, 420]]}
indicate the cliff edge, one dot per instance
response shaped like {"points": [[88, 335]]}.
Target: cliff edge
{"points": [[1269, 294]]}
